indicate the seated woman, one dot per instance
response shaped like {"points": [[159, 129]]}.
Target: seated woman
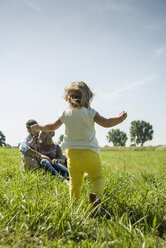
{"points": [[47, 147]]}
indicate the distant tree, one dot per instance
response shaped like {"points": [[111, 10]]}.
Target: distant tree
{"points": [[117, 137], [8, 146], [2, 139], [140, 132], [60, 140]]}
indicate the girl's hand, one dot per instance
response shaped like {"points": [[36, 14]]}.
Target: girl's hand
{"points": [[35, 128], [123, 115]]}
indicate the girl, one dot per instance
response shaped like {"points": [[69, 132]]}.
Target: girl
{"points": [[80, 141]]}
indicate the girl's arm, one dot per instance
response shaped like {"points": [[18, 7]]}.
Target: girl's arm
{"points": [[48, 127], [111, 121]]}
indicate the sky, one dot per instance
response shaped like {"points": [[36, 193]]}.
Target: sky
{"points": [[117, 47]]}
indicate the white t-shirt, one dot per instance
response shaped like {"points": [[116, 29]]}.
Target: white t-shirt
{"points": [[79, 129]]}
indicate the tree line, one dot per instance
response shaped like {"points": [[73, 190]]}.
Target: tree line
{"points": [[140, 132], [2, 139]]}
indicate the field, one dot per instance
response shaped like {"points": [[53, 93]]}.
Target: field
{"points": [[35, 209]]}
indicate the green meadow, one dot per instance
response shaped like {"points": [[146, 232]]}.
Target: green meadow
{"points": [[35, 210]]}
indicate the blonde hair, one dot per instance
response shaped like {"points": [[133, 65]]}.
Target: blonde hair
{"points": [[78, 94]]}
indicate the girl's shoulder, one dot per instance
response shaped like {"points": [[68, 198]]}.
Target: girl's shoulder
{"points": [[65, 112], [92, 111]]}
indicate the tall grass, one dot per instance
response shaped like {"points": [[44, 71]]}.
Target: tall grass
{"points": [[35, 209]]}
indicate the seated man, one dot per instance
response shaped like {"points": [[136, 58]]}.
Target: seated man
{"points": [[31, 158]]}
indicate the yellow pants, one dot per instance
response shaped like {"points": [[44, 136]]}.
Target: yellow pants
{"points": [[80, 161]]}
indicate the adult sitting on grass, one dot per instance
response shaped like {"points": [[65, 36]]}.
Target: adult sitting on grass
{"points": [[47, 147], [31, 158]]}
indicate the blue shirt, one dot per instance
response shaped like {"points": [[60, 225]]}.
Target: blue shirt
{"points": [[24, 147]]}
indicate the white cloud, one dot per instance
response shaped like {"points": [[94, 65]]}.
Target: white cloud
{"points": [[114, 94], [160, 51], [32, 5]]}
